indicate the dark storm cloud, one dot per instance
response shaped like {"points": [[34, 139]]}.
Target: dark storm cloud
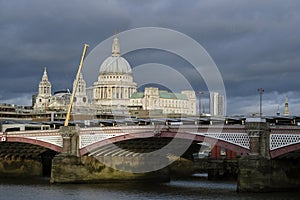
{"points": [[38, 34], [254, 43]]}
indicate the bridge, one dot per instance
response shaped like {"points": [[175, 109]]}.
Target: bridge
{"points": [[254, 139], [282, 140]]}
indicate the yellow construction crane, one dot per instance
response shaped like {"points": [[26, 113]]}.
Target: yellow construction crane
{"points": [[75, 85]]}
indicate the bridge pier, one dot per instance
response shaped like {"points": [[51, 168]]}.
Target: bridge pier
{"points": [[89, 169], [70, 135], [181, 168], [257, 174], [257, 171], [70, 167]]}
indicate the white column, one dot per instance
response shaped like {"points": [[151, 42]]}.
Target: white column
{"points": [[119, 91], [122, 92], [126, 93], [99, 93]]}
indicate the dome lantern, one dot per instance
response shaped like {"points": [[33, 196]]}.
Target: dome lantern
{"points": [[115, 47], [115, 64]]}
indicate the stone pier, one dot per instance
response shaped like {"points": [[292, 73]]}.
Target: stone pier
{"points": [[257, 171], [88, 169], [69, 167], [257, 174]]}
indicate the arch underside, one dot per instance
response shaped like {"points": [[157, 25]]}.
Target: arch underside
{"points": [[289, 151], [135, 143], [25, 147]]}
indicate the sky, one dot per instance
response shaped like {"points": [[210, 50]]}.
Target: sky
{"points": [[255, 44]]}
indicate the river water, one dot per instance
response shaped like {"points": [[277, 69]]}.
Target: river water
{"points": [[194, 188]]}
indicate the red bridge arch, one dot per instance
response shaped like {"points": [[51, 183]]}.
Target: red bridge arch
{"points": [[34, 142], [166, 134], [284, 150]]}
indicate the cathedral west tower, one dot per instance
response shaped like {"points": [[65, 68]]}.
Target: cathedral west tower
{"points": [[44, 93]]}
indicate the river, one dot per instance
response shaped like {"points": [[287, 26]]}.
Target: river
{"points": [[194, 188]]}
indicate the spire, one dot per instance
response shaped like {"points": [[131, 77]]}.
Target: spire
{"points": [[81, 87], [115, 47], [278, 112], [80, 76], [286, 107], [44, 85], [45, 76]]}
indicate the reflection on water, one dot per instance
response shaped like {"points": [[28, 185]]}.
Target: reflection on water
{"points": [[195, 188]]}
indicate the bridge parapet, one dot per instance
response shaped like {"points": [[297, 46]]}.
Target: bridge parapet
{"points": [[240, 139], [255, 135], [88, 136], [278, 140], [47, 138], [284, 140]]}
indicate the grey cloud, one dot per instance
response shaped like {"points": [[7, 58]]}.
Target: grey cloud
{"points": [[254, 43]]}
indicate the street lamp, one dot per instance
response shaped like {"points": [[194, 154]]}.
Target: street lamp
{"points": [[200, 94], [260, 90]]}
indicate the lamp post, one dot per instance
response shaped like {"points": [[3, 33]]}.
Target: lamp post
{"points": [[260, 90], [146, 101], [200, 94]]}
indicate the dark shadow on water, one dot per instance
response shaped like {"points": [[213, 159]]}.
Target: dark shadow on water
{"points": [[195, 187]]}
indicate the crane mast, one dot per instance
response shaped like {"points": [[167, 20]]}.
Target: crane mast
{"points": [[75, 85]]}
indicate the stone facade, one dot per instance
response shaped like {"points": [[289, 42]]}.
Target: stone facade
{"points": [[81, 100], [114, 90], [170, 103], [264, 175], [115, 82], [45, 101], [42, 100]]}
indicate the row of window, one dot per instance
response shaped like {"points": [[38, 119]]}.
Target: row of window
{"points": [[45, 90], [113, 76], [165, 103], [183, 111]]}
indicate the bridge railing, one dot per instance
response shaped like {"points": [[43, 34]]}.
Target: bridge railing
{"points": [[281, 137], [31, 132]]}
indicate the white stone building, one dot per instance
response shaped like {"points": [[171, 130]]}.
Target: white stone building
{"points": [[114, 90], [217, 105], [115, 82], [170, 103], [81, 101], [61, 99], [42, 99]]}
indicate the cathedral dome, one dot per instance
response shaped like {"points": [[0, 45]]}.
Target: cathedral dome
{"points": [[115, 64]]}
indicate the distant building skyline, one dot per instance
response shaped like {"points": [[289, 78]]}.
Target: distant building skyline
{"points": [[114, 90], [217, 104]]}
